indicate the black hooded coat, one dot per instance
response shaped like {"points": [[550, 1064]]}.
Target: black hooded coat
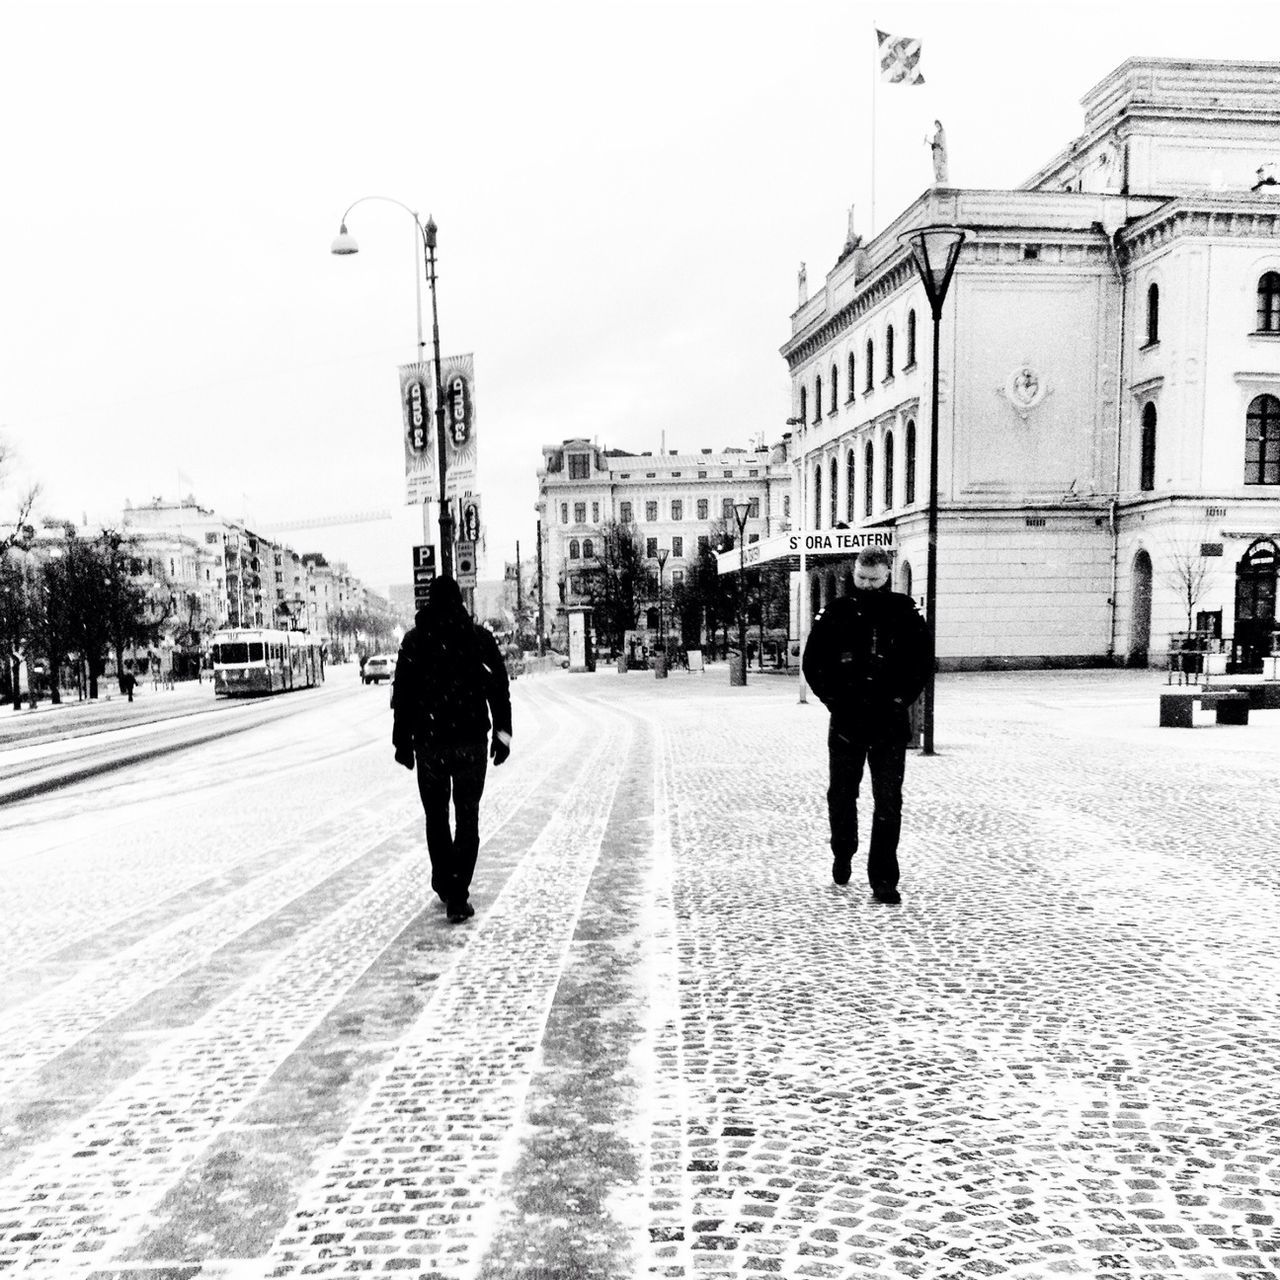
{"points": [[450, 677]]}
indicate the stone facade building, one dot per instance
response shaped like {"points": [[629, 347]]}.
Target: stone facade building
{"points": [[1109, 426], [670, 499]]}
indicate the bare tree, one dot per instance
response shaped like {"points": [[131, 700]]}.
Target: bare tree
{"points": [[1187, 572], [15, 528]]}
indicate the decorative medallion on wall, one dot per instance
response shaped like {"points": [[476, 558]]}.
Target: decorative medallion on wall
{"points": [[1024, 389]]}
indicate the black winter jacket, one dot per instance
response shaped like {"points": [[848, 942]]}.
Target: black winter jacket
{"points": [[445, 690], [867, 659]]}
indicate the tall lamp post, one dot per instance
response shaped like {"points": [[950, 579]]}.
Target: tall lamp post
{"points": [[740, 512], [935, 250], [660, 654], [803, 594], [344, 245]]}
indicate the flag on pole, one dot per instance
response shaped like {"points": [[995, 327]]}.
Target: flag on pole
{"points": [[899, 59]]}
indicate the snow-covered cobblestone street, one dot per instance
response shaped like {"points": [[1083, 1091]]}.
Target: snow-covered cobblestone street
{"points": [[239, 1039]]}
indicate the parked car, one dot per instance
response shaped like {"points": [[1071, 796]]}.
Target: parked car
{"points": [[382, 666]]}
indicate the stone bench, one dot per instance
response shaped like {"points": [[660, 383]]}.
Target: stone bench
{"points": [[1231, 706]]}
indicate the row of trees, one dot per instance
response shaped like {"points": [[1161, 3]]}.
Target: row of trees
{"points": [[622, 581], [79, 604]]}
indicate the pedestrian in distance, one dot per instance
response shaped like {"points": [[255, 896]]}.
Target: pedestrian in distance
{"points": [[127, 683], [449, 680], [867, 659]]}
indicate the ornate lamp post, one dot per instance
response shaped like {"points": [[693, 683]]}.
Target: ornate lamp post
{"points": [[660, 649], [741, 510], [800, 523], [935, 250], [344, 245]]}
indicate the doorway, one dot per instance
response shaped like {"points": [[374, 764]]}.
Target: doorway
{"points": [[1140, 615], [1255, 604]]}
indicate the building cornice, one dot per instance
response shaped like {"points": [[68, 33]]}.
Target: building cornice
{"points": [[1202, 217]]}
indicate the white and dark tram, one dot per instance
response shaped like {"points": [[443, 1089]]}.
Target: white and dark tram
{"points": [[249, 661]]}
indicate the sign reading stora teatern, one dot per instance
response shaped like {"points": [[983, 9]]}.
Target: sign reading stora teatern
{"points": [[787, 546]]}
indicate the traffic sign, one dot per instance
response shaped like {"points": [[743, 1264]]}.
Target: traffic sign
{"points": [[465, 552], [423, 576], [424, 557]]}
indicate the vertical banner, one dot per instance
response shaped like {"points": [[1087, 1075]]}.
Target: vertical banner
{"points": [[419, 440], [457, 382]]}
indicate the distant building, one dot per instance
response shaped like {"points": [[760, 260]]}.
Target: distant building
{"points": [[670, 500], [1109, 425]]}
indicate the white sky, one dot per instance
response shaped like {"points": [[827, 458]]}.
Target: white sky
{"points": [[624, 193]]}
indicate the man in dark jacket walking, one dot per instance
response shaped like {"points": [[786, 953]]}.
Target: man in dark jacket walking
{"points": [[449, 679], [867, 659]]}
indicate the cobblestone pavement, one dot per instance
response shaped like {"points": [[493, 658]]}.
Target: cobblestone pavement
{"points": [[667, 1045]]}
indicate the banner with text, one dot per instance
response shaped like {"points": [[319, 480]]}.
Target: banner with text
{"points": [[419, 437], [458, 385]]}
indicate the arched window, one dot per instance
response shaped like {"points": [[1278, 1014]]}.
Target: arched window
{"points": [[817, 398], [1153, 314], [871, 365], [1147, 465], [835, 492], [888, 352], [588, 549], [1269, 303], [909, 496], [1262, 442], [904, 578], [804, 403], [573, 548], [817, 496], [850, 485], [911, 338], [868, 477], [853, 369], [835, 389], [888, 469]]}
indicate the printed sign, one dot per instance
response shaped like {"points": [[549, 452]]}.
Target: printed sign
{"points": [[457, 382], [419, 443], [465, 555], [469, 521], [424, 557]]}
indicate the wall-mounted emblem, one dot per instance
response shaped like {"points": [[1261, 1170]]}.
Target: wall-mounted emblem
{"points": [[1024, 388]]}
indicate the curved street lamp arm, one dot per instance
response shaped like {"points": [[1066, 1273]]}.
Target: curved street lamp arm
{"points": [[389, 200]]}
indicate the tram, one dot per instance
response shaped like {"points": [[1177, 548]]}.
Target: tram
{"points": [[248, 661]]}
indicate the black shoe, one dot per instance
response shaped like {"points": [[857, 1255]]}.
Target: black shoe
{"points": [[883, 892], [842, 869], [460, 911]]}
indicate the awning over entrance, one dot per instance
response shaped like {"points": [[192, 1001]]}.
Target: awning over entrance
{"points": [[784, 549]]}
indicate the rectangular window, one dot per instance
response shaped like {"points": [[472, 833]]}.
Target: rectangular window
{"points": [[753, 471], [702, 475], [754, 509], [579, 466], [704, 543], [677, 509], [579, 513], [624, 512], [728, 475], [703, 509], [726, 509], [677, 548], [786, 506], [564, 513], [651, 511], [595, 513], [651, 548]]}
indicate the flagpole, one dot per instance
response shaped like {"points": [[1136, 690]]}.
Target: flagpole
{"points": [[875, 75]]}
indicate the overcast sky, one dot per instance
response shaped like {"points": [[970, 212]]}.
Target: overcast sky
{"points": [[624, 193]]}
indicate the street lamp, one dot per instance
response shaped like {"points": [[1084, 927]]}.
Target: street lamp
{"points": [[660, 657], [344, 245], [803, 594], [935, 250], [741, 510]]}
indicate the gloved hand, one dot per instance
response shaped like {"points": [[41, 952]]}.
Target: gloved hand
{"points": [[404, 756], [499, 751]]}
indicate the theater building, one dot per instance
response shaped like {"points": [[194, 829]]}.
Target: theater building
{"points": [[1109, 420]]}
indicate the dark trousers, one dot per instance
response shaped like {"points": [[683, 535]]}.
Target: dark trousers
{"points": [[460, 770], [888, 761]]}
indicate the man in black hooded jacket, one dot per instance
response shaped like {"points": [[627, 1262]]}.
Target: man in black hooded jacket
{"points": [[450, 677], [867, 659]]}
